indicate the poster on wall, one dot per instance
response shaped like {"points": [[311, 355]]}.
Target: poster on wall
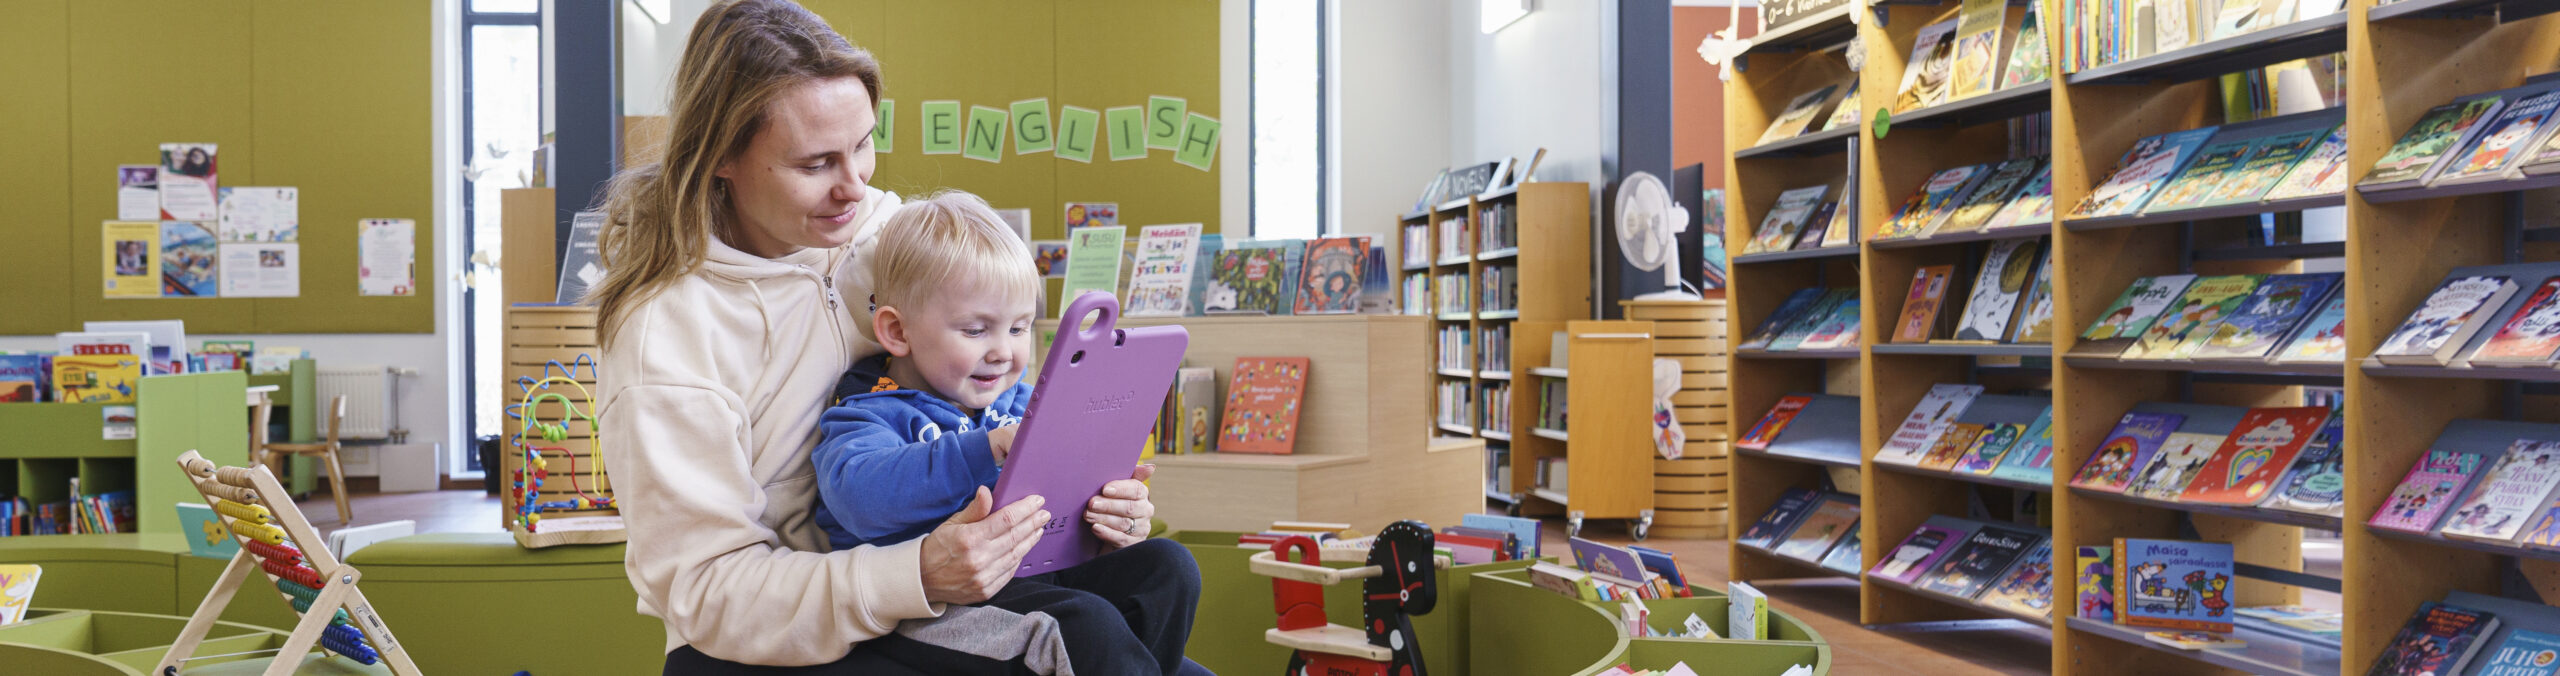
{"points": [[187, 182], [188, 260], [1051, 256], [261, 269], [263, 214], [386, 257], [132, 267], [137, 192], [1090, 214]]}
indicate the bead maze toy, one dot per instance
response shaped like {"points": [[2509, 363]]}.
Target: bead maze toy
{"points": [[1399, 582], [276, 541], [544, 453]]}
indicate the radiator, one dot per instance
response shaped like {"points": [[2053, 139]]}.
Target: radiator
{"points": [[370, 400]]}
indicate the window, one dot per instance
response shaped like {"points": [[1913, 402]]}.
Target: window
{"points": [[1288, 105], [502, 101]]}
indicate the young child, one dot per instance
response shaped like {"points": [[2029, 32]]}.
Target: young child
{"points": [[914, 433]]}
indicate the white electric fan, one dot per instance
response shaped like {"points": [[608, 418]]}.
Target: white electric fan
{"points": [[1649, 226]]}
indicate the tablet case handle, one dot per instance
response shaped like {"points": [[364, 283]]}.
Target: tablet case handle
{"points": [[1071, 342]]}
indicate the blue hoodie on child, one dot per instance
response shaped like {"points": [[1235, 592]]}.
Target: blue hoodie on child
{"points": [[894, 463]]}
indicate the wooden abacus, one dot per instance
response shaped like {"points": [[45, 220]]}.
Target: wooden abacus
{"points": [[276, 541]]}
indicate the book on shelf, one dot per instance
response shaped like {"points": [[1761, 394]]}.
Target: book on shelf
{"points": [[1263, 401], [1837, 331], [2515, 489], [1835, 232], [1833, 517], [1843, 115], [1618, 571], [26, 378], [1160, 280], [2446, 320], [2194, 640], [2270, 159], [2321, 172], [1933, 202], [96, 378], [2438, 639], [2029, 61], [1985, 452], [2179, 461], [2522, 653], [2246, 469], [1525, 531], [1826, 429], [1923, 548], [2316, 481], [2300, 623], [2031, 458], [1920, 309], [1776, 421], [1746, 612], [2280, 304], [2027, 587], [2530, 336], [1662, 565], [1986, 553], [1812, 320], [1780, 519], [1564, 580], [1801, 112], [2007, 270], [1795, 306], [1925, 76], [2033, 205], [2213, 163], [1786, 218], [1927, 422], [1996, 191], [18, 590], [1817, 226], [2095, 582], [1951, 446], [2133, 314], [1330, 275], [1195, 411], [2127, 449], [2035, 318], [2415, 158], [2142, 170], [2322, 339], [2173, 584], [2175, 25], [1846, 557], [1247, 281], [2202, 308], [1976, 50], [2494, 154], [2543, 159], [2439, 477]]}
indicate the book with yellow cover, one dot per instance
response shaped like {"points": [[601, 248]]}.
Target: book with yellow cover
{"points": [[96, 378]]}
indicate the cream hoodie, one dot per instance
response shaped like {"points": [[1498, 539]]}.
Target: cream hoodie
{"points": [[712, 392]]}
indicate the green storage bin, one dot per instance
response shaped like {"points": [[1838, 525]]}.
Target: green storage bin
{"points": [[125, 572], [1528, 631], [60, 642], [461, 603], [256, 604], [1668, 614], [1236, 609]]}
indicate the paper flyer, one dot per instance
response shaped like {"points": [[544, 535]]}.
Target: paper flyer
{"points": [[1093, 261], [1019, 219], [386, 254], [116, 423], [188, 261], [261, 214], [1051, 256], [261, 269], [187, 182], [1090, 214], [137, 192], [132, 264]]}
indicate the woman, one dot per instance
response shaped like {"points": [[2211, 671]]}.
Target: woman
{"points": [[724, 325]]}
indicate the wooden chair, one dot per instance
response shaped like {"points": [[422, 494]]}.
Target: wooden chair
{"points": [[328, 452]]}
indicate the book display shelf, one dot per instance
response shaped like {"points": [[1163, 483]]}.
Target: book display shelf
{"points": [[1492, 313], [2399, 59]]}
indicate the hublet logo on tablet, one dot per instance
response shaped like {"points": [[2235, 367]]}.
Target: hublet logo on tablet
{"points": [[1110, 402]]}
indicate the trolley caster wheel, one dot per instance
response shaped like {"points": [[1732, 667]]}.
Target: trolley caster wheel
{"points": [[1573, 525], [1512, 509], [1641, 525]]}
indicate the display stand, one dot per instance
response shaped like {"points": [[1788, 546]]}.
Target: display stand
{"points": [[277, 542], [552, 472]]}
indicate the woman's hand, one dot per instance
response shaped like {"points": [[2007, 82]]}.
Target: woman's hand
{"points": [[974, 554], [1119, 516]]}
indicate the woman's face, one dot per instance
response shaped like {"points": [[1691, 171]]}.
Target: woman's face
{"points": [[799, 183]]}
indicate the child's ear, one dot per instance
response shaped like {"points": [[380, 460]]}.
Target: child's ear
{"points": [[892, 331]]}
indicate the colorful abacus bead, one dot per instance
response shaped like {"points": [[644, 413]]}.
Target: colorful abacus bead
{"points": [[293, 571], [279, 553], [298, 591], [249, 513], [345, 640], [259, 532]]}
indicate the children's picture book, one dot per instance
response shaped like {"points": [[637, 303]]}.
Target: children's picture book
{"points": [[1951, 446], [1160, 282], [2439, 639], [2179, 461], [2446, 320], [1925, 75], [2269, 160], [2268, 317], [2028, 62], [2027, 587], [1977, 47], [1920, 309], [1934, 202], [2317, 481], [2194, 185], [2141, 172], [1787, 313], [1987, 450], [2173, 584], [1781, 518], [2246, 469], [2412, 160], [2035, 319], [2514, 489], [2531, 336], [1929, 420], [1776, 421], [17, 590], [2523, 653], [1817, 226], [1837, 331], [2194, 640], [1921, 550], [1263, 397], [2303, 623], [1786, 218], [205, 532], [2427, 491], [2207, 302], [1746, 612], [1526, 530], [2006, 272], [1799, 113], [1600, 558], [96, 378], [1844, 114], [2033, 206], [2123, 324], [2128, 448], [1195, 414], [1660, 564], [1329, 277], [1831, 519], [2321, 339], [1246, 281], [2031, 459], [1986, 553], [1813, 320], [25, 378], [1845, 558], [2322, 172], [2097, 582]]}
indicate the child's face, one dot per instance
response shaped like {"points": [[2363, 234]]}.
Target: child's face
{"points": [[969, 342]]}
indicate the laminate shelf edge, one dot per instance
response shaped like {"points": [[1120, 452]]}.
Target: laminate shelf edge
{"points": [[1812, 144], [2266, 653], [1816, 568], [2011, 232], [2014, 102], [1983, 479], [1797, 354], [2258, 514], [2378, 369], [2457, 543], [2205, 213], [1965, 350], [1832, 251], [1963, 602], [2298, 40], [2482, 188]]}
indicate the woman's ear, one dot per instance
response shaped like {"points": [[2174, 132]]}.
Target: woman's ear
{"points": [[892, 331]]}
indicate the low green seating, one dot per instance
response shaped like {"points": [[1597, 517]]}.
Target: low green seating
{"points": [[101, 643], [475, 603], [1521, 629]]}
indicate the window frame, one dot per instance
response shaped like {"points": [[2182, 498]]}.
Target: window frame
{"points": [[470, 211], [1325, 214]]}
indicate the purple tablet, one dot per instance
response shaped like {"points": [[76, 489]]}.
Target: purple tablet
{"points": [[1097, 397]]}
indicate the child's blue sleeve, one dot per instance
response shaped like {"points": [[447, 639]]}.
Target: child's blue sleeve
{"points": [[878, 486]]}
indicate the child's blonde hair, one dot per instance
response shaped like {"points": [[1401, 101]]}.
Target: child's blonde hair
{"points": [[947, 241]]}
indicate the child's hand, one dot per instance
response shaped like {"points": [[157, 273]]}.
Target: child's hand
{"points": [[1000, 442]]}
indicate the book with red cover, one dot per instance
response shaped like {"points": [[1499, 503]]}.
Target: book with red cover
{"points": [[1773, 423], [1263, 396], [2245, 470], [2531, 335], [1920, 309]]}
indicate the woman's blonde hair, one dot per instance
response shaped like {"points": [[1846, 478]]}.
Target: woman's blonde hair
{"points": [[948, 241], [660, 216]]}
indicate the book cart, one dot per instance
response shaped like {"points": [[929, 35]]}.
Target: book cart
{"points": [[2400, 59]]}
